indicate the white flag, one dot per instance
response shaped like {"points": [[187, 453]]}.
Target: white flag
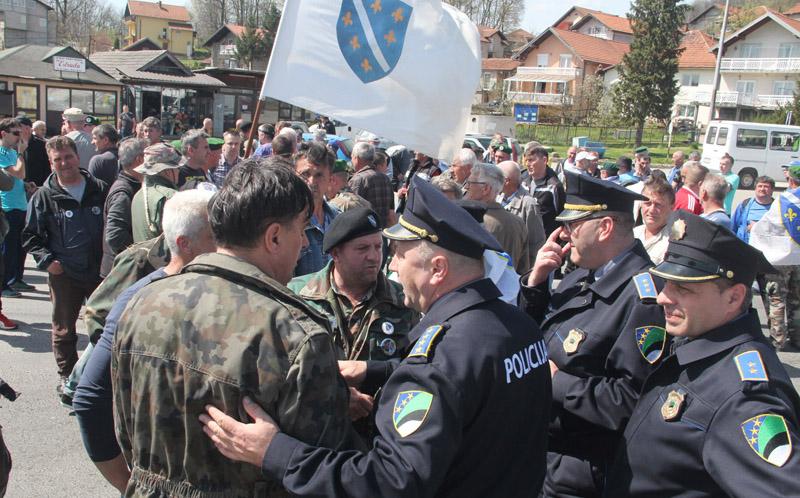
{"points": [[405, 70], [770, 237]]}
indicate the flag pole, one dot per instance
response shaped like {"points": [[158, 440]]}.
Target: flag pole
{"points": [[248, 149]]}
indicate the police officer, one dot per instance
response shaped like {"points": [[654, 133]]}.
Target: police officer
{"points": [[474, 385], [718, 416], [368, 317], [603, 328]]}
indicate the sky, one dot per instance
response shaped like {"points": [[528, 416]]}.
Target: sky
{"points": [[539, 14]]}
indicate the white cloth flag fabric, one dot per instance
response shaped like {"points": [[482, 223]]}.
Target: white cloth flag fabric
{"points": [[405, 70], [770, 236]]}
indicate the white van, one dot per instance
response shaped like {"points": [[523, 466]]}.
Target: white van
{"points": [[757, 148]]}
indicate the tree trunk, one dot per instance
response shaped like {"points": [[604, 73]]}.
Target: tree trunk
{"points": [[639, 133]]}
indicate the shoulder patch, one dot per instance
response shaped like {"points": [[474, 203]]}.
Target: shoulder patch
{"points": [[751, 367], [423, 346], [645, 286], [410, 411], [768, 436], [650, 340]]}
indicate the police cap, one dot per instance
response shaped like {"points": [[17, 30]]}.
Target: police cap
{"points": [[431, 216], [700, 250], [353, 223], [588, 196]]}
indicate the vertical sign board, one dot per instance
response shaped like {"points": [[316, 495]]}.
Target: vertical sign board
{"points": [[526, 113]]}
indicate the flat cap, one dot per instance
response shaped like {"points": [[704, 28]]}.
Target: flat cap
{"points": [[588, 196], [431, 216], [700, 250], [351, 224], [583, 155]]}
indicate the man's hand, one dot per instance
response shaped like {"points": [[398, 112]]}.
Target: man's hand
{"points": [[55, 268], [30, 188], [353, 372], [549, 257], [553, 369], [22, 145], [360, 404], [238, 441]]}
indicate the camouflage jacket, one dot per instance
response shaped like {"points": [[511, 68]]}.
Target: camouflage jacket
{"points": [[219, 330], [376, 329], [129, 266], [147, 207]]}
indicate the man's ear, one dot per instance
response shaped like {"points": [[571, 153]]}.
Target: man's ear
{"points": [[734, 297], [272, 238], [440, 267]]}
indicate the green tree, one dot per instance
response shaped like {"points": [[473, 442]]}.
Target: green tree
{"points": [[270, 18], [250, 45], [647, 86]]}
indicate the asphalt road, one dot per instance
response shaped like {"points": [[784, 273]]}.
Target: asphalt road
{"points": [[49, 459]]}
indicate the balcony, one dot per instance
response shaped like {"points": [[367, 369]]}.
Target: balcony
{"points": [[774, 101], [733, 99], [530, 73], [538, 98], [777, 65]]}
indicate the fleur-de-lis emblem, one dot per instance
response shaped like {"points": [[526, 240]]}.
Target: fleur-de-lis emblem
{"points": [[790, 215]]}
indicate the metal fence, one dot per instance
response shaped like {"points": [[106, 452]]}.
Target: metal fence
{"points": [[555, 135]]}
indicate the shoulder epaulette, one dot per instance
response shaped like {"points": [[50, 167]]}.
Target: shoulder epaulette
{"points": [[645, 286], [751, 366], [425, 344]]}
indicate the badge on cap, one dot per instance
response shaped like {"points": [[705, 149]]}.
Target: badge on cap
{"points": [[388, 346], [387, 328], [95, 210], [678, 230], [68, 213], [574, 340], [672, 406]]}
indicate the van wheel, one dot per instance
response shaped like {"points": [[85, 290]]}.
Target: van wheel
{"points": [[747, 179]]}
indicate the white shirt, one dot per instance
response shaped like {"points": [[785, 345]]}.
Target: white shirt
{"points": [[656, 246]]}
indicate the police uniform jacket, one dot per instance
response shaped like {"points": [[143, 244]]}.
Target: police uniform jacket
{"points": [[591, 335], [717, 418], [478, 390]]}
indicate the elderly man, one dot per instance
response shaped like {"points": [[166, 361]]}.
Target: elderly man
{"points": [[674, 174], [517, 201], [74, 121], [230, 157], [64, 232], [718, 416], [603, 328], [484, 184], [118, 230], [195, 150], [653, 233], [544, 186], [688, 196], [462, 166], [208, 127], [266, 343], [160, 170], [373, 186], [37, 165], [313, 164], [105, 164], [432, 440], [712, 198], [187, 235]]}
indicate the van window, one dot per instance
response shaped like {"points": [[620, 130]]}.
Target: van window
{"points": [[722, 139], [751, 139], [712, 134], [783, 140]]}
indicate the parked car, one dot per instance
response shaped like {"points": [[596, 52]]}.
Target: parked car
{"points": [[757, 148], [583, 142]]}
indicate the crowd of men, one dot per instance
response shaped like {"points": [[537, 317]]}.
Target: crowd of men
{"points": [[293, 324]]}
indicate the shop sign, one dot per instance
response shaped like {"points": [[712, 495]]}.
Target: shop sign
{"points": [[69, 64]]}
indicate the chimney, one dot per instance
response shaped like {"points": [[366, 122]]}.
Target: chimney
{"points": [[159, 5]]}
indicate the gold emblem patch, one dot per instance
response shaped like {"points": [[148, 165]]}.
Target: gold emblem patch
{"points": [[672, 406], [678, 230], [574, 340]]}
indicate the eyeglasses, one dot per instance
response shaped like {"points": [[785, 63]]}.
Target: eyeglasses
{"points": [[571, 226]]}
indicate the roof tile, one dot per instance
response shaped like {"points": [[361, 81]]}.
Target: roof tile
{"points": [[697, 53], [499, 64], [591, 48], [159, 10]]}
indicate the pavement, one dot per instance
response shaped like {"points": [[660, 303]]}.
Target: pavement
{"points": [[44, 440]]}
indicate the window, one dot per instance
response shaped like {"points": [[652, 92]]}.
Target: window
{"points": [[105, 102], [783, 88], [27, 100], [565, 60], [787, 50], [57, 99], [690, 79], [750, 50], [783, 140], [541, 87], [542, 60], [83, 99], [686, 111], [751, 139], [712, 134], [487, 81], [722, 138], [561, 88]]}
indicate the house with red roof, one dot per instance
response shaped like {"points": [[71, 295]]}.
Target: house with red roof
{"points": [[223, 49], [169, 26]]}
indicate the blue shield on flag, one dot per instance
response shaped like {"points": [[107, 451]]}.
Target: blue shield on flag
{"points": [[790, 214], [371, 34]]}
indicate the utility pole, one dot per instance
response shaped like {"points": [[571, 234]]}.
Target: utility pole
{"points": [[719, 60]]}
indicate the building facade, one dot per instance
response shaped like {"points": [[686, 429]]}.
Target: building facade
{"points": [[26, 22], [167, 25]]}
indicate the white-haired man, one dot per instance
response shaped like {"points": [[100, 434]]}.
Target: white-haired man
{"points": [[462, 167], [373, 186], [517, 201], [483, 185], [74, 121]]}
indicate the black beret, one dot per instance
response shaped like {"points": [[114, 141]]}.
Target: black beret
{"points": [[351, 224], [24, 120], [700, 250]]}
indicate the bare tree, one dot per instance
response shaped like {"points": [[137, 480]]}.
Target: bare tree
{"points": [[499, 14], [79, 22]]}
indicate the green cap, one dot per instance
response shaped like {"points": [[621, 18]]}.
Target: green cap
{"points": [[215, 143], [339, 166], [504, 148], [92, 121], [609, 166], [794, 169], [178, 145], [641, 150]]}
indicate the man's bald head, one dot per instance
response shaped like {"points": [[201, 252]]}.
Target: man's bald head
{"points": [[511, 171]]}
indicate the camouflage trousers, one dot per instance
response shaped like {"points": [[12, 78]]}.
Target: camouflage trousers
{"points": [[783, 289]]}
